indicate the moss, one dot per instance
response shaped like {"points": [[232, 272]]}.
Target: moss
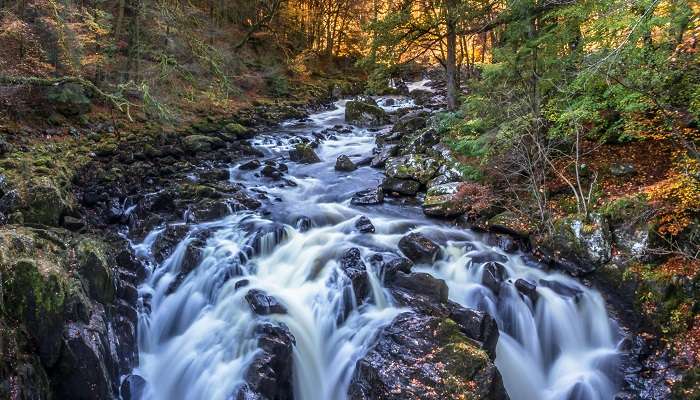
{"points": [[95, 269], [34, 293]]}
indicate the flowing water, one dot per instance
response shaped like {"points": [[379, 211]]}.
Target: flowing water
{"points": [[196, 342]]}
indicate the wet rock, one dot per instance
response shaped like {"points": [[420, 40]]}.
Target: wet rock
{"points": [[560, 288], [505, 242], [250, 165], [270, 374], [406, 125], [364, 225], [486, 256], [304, 154], [209, 210], [355, 269], [165, 243], [368, 197], [580, 246], [263, 304], [476, 325], [271, 172], [344, 163], [424, 290], [244, 200], [364, 114], [419, 248], [414, 166], [425, 357], [384, 154], [446, 200], [96, 269], [527, 288], [132, 387], [304, 224], [241, 284], [420, 96], [406, 187], [388, 264], [493, 276]]}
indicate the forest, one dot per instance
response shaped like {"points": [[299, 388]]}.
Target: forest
{"points": [[349, 199]]}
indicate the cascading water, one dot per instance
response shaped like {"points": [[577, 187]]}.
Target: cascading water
{"points": [[197, 332]]}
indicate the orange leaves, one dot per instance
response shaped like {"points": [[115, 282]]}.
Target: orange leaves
{"points": [[677, 197]]}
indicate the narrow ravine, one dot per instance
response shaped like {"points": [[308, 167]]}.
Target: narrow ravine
{"points": [[198, 334]]}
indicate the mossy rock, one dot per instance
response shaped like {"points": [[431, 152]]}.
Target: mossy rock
{"points": [[416, 167], [95, 270], [364, 114], [69, 99], [45, 202], [201, 143]]}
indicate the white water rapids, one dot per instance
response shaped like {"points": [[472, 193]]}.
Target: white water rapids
{"points": [[196, 342]]}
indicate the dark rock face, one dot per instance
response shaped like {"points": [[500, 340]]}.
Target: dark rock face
{"points": [[477, 325], [263, 304], [420, 291], [493, 276], [270, 374], [132, 387], [355, 269], [384, 154], [303, 153], [425, 357], [344, 163], [406, 187], [527, 288], [419, 248], [364, 225], [368, 197]]}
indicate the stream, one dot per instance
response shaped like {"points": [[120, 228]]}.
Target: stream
{"points": [[197, 341]]}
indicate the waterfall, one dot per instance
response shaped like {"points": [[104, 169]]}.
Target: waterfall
{"points": [[197, 332]]}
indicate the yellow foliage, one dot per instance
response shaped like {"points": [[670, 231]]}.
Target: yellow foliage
{"points": [[678, 197]]}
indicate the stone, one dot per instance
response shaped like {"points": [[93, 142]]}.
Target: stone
{"points": [[480, 257], [527, 289], [560, 288], [418, 248], [209, 210], [69, 99], [96, 269], [623, 169], [269, 375], [405, 187], [493, 276], [304, 223], [580, 246], [368, 197], [446, 200], [202, 144], [413, 166], [363, 114], [263, 304], [420, 96], [384, 154], [345, 164], [477, 325], [425, 357], [271, 172], [420, 284], [250, 165], [364, 225], [45, 202], [304, 154], [73, 224], [355, 269], [132, 387], [406, 125]]}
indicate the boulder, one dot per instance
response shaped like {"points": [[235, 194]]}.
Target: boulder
{"points": [[419, 248], [364, 225], [527, 289], [303, 153], [623, 169], [420, 96], [414, 166], [344, 163], [263, 304], [420, 290], [580, 246], [476, 325], [406, 125], [493, 275], [355, 269], [45, 202], [446, 200], [271, 172], [202, 144], [384, 154], [269, 375], [132, 387], [96, 269], [425, 357], [368, 197], [364, 114], [406, 187], [209, 210], [250, 165]]}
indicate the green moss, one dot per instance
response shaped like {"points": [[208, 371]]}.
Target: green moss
{"points": [[95, 269], [462, 359], [33, 292]]}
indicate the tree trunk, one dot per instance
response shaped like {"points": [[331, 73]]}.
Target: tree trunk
{"points": [[451, 61]]}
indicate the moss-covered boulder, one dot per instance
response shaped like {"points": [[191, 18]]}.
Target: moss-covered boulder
{"points": [[69, 99], [581, 245], [201, 143], [96, 270], [414, 166], [303, 153], [446, 200], [45, 202], [435, 361], [365, 115]]}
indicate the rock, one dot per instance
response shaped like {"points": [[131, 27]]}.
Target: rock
{"points": [[505, 242], [69, 99], [385, 153], [241, 284], [96, 269], [364, 225], [73, 224], [202, 144], [344, 163], [209, 210], [368, 197], [420, 96], [560, 288], [493, 276], [250, 165], [303, 153], [304, 224], [419, 248], [406, 125], [527, 289], [446, 200], [580, 246], [389, 264], [132, 387], [446, 174], [422, 142], [425, 357], [355, 269], [271, 172], [432, 291], [406, 187], [364, 114], [481, 257], [269, 375], [477, 325], [416, 167], [45, 202], [623, 169], [263, 304]]}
